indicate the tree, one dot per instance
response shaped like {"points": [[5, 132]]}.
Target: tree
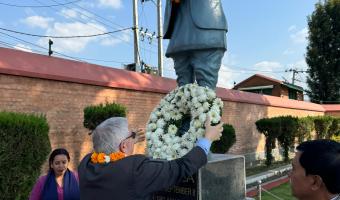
{"points": [[323, 53]]}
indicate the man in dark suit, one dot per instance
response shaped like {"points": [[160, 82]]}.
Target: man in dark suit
{"points": [[135, 177], [197, 32]]}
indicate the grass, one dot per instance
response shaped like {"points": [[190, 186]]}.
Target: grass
{"points": [[283, 191], [262, 168]]}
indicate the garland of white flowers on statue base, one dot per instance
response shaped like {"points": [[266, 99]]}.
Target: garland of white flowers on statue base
{"points": [[163, 142]]}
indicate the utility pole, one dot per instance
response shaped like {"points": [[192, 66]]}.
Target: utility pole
{"points": [[160, 38], [295, 71], [136, 35]]}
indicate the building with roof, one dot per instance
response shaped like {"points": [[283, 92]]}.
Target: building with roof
{"points": [[261, 84]]}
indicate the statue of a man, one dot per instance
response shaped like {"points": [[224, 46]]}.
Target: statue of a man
{"points": [[197, 32]]}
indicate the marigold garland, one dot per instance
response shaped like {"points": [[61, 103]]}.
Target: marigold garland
{"points": [[103, 158]]}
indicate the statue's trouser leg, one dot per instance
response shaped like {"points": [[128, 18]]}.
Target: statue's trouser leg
{"points": [[183, 67], [185, 75], [206, 64]]}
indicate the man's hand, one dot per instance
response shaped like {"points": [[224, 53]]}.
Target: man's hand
{"points": [[213, 133], [140, 135]]}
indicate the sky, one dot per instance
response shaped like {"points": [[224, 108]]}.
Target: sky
{"points": [[265, 36]]}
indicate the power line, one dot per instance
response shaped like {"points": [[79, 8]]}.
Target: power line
{"points": [[90, 17], [295, 71], [95, 14], [72, 57], [99, 60], [240, 70], [253, 70], [144, 33], [83, 22], [114, 36], [36, 6], [148, 34], [247, 71], [12, 46], [64, 37], [6, 44], [98, 16]]}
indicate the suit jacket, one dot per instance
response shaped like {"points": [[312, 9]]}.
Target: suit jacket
{"points": [[135, 177], [194, 25], [206, 14]]}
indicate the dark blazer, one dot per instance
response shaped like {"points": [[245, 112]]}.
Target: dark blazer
{"points": [[206, 14], [135, 177]]}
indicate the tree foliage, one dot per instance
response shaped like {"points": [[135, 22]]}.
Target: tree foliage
{"points": [[323, 53]]}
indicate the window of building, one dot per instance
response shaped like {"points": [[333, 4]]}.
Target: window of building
{"points": [[292, 94], [267, 91]]}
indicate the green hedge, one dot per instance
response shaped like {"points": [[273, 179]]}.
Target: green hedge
{"points": [[24, 146], [286, 128], [269, 127], [94, 115], [322, 125], [334, 129], [305, 128], [227, 140], [282, 128]]}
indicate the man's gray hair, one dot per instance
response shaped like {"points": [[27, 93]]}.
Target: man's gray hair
{"points": [[109, 134]]}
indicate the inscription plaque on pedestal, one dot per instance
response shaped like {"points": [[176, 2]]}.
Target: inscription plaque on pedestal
{"points": [[187, 189], [223, 178]]}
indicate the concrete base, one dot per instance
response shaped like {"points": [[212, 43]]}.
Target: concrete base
{"points": [[223, 178]]}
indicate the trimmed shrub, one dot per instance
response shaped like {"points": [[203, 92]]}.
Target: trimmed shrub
{"points": [[227, 140], [304, 129], [24, 146], [334, 129], [322, 125], [269, 127], [94, 115], [288, 127], [282, 128]]}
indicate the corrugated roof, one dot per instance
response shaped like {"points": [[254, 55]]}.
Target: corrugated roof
{"points": [[289, 85], [295, 87], [261, 76]]}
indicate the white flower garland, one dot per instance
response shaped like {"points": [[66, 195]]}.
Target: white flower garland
{"points": [[190, 99]]}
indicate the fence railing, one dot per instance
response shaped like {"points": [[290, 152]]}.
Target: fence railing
{"points": [[260, 189]]}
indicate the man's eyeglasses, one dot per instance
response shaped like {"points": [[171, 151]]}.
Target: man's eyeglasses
{"points": [[133, 135]]}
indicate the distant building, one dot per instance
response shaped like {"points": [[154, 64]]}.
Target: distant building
{"points": [[265, 85]]}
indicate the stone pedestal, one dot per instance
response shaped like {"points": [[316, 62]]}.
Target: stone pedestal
{"points": [[223, 178]]}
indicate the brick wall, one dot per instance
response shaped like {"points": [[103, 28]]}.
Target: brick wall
{"points": [[335, 113], [61, 89], [63, 103]]}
